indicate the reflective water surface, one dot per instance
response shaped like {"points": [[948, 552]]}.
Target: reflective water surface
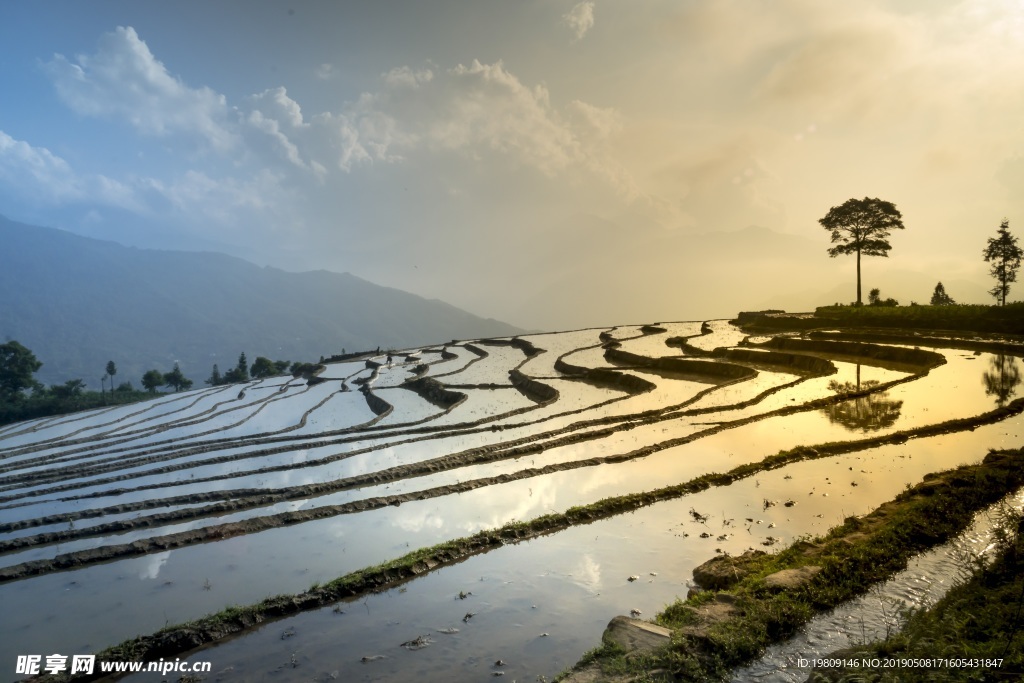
{"points": [[499, 455]]}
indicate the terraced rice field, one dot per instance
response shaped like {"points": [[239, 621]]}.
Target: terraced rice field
{"points": [[120, 522]]}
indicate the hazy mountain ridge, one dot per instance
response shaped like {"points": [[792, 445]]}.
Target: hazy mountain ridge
{"points": [[78, 302]]}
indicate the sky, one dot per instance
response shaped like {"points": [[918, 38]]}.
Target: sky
{"points": [[550, 163]]}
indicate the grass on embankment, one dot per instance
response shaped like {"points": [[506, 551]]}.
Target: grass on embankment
{"points": [[852, 557], [978, 619]]}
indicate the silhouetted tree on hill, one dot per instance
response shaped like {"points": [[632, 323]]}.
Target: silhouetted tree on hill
{"points": [[1004, 254], [111, 371], [940, 298], [862, 226]]}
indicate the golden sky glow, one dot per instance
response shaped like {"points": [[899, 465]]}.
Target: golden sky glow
{"points": [[552, 164]]}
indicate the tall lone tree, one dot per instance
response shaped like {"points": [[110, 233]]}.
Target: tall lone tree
{"points": [[1004, 254], [111, 370], [862, 226]]}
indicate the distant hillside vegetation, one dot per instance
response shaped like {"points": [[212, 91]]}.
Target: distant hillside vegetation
{"points": [[78, 302]]}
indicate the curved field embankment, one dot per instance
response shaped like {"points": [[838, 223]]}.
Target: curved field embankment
{"points": [[434, 392], [145, 499], [697, 370], [216, 532], [616, 379], [975, 342], [604, 377], [879, 353], [668, 412], [997, 475]]}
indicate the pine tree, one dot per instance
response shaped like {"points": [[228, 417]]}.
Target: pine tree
{"points": [[1004, 254], [214, 379], [940, 298]]}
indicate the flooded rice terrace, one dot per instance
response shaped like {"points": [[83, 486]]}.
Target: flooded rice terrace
{"points": [[119, 522]]}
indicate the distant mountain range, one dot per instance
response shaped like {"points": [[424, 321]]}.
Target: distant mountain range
{"points": [[78, 302]]}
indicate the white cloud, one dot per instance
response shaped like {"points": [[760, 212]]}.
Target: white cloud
{"points": [[403, 75], [279, 121], [273, 129], [471, 110], [275, 103], [233, 203], [580, 18], [487, 106], [40, 176], [123, 80]]}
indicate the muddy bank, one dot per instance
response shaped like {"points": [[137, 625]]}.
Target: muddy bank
{"points": [[434, 392], [604, 377], [532, 389], [918, 358], [523, 345], [777, 360], [700, 370], [972, 343], [377, 405], [762, 357]]}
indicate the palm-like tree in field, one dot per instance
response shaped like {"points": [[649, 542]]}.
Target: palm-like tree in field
{"points": [[111, 371]]}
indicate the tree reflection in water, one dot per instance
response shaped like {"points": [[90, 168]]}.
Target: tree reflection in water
{"points": [[1002, 378], [867, 413]]}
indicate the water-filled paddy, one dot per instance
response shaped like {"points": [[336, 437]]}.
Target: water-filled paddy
{"points": [[495, 457]]}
